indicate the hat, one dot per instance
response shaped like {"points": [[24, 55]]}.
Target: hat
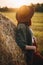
{"points": [[24, 12]]}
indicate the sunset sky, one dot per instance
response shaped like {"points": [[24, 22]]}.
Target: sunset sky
{"points": [[18, 3]]}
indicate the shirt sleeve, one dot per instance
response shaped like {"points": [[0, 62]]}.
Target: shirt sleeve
{"points": [[21, 37]]}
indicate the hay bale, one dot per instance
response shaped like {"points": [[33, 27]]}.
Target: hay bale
{"points": [[10, 53]]}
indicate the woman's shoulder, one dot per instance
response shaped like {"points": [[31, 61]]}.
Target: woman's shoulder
{"points": [[31, 30]]}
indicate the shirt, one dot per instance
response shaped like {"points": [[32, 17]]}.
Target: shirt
{"points": [[23, 36]]}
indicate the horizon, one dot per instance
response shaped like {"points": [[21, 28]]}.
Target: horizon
{"points": [[18, 3]]}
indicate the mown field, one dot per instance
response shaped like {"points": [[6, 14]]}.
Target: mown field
{"points": [[37, 26]]}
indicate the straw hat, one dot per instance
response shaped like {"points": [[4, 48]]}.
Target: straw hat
{"points": [[24, 13]]}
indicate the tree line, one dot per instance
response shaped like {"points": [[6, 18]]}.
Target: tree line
{"points": [[38, 8], [6, 9]]}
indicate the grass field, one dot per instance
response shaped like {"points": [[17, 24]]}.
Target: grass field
{"points": [[37, 26]]}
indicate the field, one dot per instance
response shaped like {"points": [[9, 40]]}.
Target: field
{"points": [[37, 26]]}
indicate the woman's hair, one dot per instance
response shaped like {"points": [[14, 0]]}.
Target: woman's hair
{"points": [[24, 12]]}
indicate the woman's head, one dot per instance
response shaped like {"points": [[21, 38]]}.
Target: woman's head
{"points": [[24, 13]]}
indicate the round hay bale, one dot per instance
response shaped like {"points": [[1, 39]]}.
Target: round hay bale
{"points": [[10, 53]]}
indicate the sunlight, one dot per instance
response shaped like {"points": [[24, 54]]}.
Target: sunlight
{"points": [[18, 3], [21, 2]]}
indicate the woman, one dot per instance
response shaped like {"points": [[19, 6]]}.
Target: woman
{"points": [[23, 33]]}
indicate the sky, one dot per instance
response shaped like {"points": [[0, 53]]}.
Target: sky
{"points": [[18, 3]]}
